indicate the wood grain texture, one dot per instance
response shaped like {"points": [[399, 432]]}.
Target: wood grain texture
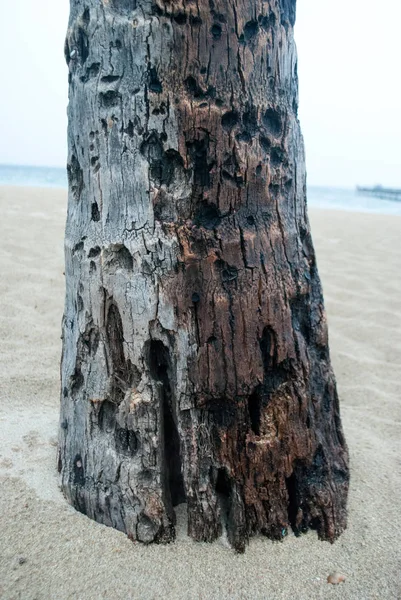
{"points": [[195, 353]]}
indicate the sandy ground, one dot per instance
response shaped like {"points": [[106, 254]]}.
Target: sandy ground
{"points": [[49, 551]]}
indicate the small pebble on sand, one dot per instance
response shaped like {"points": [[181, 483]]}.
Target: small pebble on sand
{"points": [[335, 578]]}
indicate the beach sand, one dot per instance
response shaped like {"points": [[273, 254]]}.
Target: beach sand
{"points": [[50, 551]]}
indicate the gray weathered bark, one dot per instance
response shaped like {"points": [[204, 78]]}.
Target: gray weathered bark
{"points": [[195, 356]]}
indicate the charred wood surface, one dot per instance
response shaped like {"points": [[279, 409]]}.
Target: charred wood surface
{"points": [[195, 352]]}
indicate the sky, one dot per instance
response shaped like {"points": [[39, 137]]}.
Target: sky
{"points": [[349, 76]]}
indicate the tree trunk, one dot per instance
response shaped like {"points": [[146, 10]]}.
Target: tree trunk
{"points": [[195, 354]]}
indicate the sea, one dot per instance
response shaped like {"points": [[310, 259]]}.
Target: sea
{"points": [[321, 197]]}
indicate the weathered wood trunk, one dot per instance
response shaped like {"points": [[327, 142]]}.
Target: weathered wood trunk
{"points": [[195, 355]]}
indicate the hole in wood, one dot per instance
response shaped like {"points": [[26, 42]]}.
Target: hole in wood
{"points": [[109, 99], [223, 484], [250, 30], [107, 416], [223, 492], [75, 177], [216, 31], [124, 259], [79, 478], [180, 18], [195, 21], [77, 381], [154, 81], [123, 6], [86, 16], [277, 157], [93, 252], [250, 119], [254, 409], [126, 441], [159, 361], [227, 272], [91, 72], [129, 130], [198, 151], [229, 119], [121, 376], [244, 136], [207, 216], [110, 78], [265, 143], [272, 121], [95, 214], [83, 45]]}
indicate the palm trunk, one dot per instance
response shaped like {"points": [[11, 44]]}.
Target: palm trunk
{"points": [[195, 354]]}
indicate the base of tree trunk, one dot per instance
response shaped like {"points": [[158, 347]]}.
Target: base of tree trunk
{"points": [[195, 352]]}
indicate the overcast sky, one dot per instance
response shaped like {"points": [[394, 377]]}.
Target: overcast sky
{"points": [[349, 72]]}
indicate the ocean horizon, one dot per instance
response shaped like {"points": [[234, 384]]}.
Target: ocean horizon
{"points": [[318, 196]]}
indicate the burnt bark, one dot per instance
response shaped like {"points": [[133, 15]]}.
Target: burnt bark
{"points": [[195, 352]]}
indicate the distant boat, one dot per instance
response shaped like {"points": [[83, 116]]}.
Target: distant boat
{"points": [[380, 192]]}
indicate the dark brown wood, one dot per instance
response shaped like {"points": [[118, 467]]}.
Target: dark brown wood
{"points": [[196, 364]]}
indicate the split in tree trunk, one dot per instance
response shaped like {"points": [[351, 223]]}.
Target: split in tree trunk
{"points": [[195, 354]]}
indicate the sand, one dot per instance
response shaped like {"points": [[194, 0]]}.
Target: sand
{"points": [[49, 551]]}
